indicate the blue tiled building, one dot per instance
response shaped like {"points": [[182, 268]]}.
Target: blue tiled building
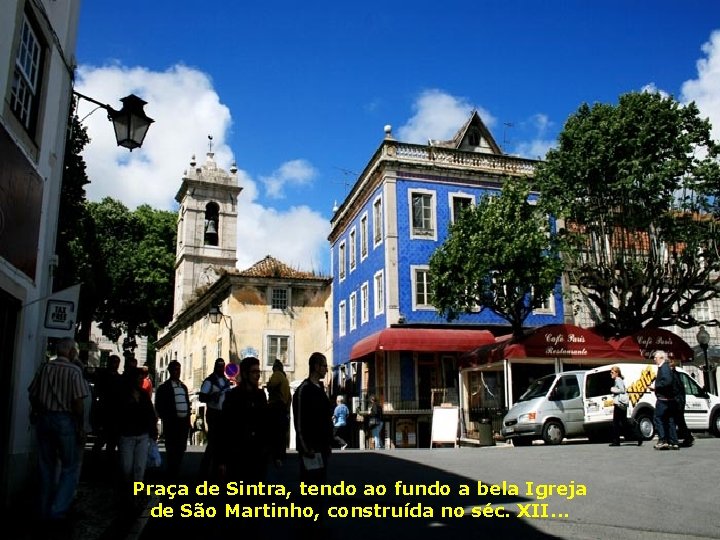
{"points": [[388, 339]]}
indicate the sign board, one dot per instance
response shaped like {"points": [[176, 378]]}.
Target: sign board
{"points": [[61, 312], [445, 425]]}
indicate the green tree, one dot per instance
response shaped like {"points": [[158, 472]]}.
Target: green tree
{"points": [[76, 244], [500, 255], [634, 183], [138, 253]]}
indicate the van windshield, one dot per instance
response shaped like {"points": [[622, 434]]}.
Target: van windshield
{"points": [[538, 388]]}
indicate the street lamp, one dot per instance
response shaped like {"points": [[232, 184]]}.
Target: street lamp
{"points": [[131, 123], [215, 314], [703, 339]]}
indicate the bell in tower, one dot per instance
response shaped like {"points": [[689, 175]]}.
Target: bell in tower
{"points": [[211, 224]]}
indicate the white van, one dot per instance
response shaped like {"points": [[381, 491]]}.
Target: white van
{"points": [[551, 409], [579, 404], [702, 410]]}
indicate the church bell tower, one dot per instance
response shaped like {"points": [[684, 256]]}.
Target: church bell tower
{"points": [[207, 227]]}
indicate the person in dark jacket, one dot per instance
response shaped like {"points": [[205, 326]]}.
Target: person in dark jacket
{"points": [[312, 415], [173, 406], [683, 432], [212, 393], [244, 441], [137, 426], [665, 405]]}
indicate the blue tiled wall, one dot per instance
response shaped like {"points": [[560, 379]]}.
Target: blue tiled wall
{"points": [[411, 252]]}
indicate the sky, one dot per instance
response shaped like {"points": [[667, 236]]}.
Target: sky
{"points": [[298, 94]]}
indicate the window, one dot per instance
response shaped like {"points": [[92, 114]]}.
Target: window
{"points": [[701, 312], [364, 303], [379, 293], [458, 204], [25, 90], [279, 298], [218, 351], [377, 222], [363, 237], [278, 348], [353, 311], [341, 318], [353, 249], [204, 359], [422, 214], [422, 296], [473, 137], [341, 260], [547, 307]]}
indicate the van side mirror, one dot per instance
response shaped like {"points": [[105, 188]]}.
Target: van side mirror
{"points": [[553, 396]]}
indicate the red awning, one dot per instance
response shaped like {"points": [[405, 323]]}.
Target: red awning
{"points": [[552, 341], [644, 342], [421, 339]]}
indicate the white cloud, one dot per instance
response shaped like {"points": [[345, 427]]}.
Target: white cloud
{"points": [[439, 115], [651, 88], [705, 89], [297, 172], [297, 237], [186, 109], [536, 148]]}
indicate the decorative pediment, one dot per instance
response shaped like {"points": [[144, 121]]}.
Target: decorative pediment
{"points": [[473, 136]]}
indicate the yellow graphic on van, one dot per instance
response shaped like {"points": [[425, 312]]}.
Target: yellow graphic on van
{"points": [[638, 388]]}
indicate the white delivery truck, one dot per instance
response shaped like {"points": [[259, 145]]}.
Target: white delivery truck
{"points": [[702, 410], [551, 409], [579, 404]]}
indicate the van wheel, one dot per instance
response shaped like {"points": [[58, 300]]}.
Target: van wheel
{"points": [[553, 432], [522, 441], [645, 426], [715, 424]]}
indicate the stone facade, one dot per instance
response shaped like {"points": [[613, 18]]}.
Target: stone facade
{"points": [[269, 310]]}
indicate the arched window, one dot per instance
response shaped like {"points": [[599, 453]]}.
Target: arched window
{"points": [[212, 224]]}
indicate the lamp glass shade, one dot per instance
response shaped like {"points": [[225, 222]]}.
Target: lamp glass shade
{"points": [[703, 337], [215, 314], [130, 123]]}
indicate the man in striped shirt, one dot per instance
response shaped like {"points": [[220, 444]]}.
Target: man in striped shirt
{"points": [[173, 407], [56, 395]]}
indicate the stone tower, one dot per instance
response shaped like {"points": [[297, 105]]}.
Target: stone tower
{"points": [[207, 233]]}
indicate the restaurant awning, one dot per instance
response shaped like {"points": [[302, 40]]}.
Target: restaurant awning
{"points": [[552, 341], [421, 340], [644, 342]]}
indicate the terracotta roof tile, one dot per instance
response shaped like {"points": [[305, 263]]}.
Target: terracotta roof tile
{"points": [[270, 267]]}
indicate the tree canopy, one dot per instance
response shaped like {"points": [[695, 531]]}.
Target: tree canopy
{"points": [[500, 255], [636, 186], [124, 259], [138, 254]]}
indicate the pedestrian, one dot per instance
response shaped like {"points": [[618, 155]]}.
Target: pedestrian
{"points": [[138, 426], [243, 440], [340, 419], [279, 401], [620, 407], [312, 415], [57, 395], [375, 421], [212, 393], [109, 390], [130, 362], [665, 404], [87, 409], [683, 432], [173, 407], [147, 384]]}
